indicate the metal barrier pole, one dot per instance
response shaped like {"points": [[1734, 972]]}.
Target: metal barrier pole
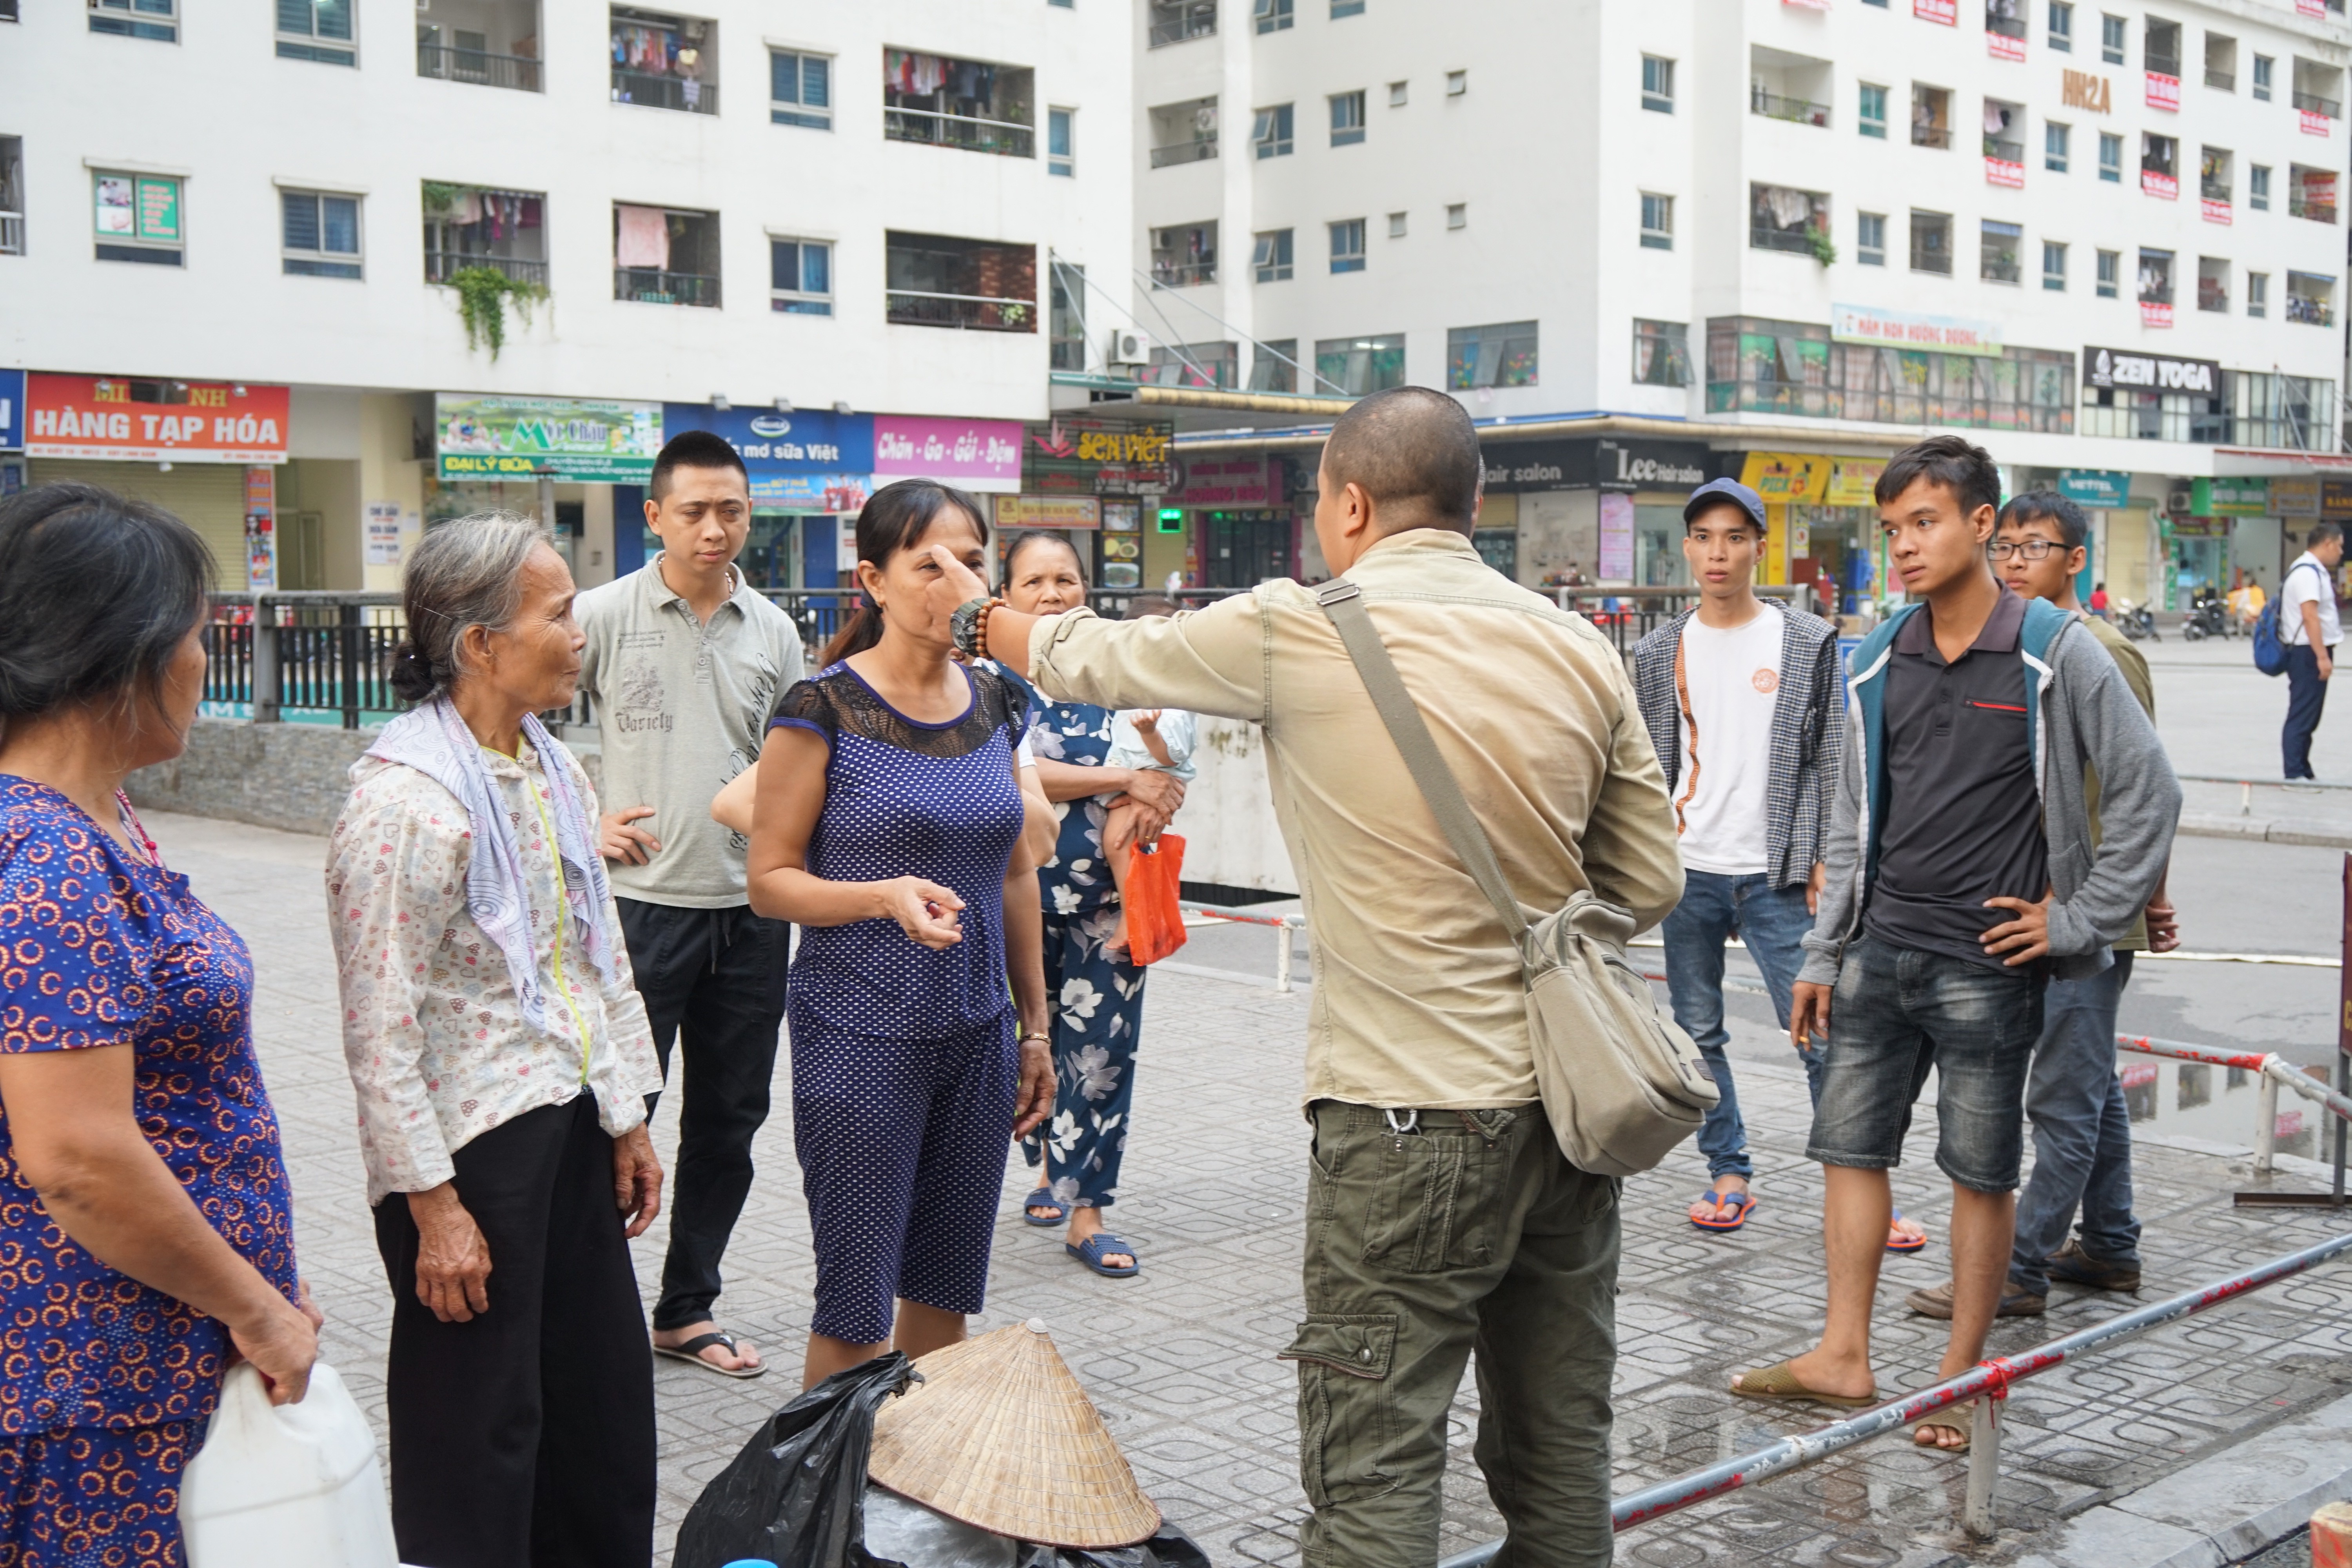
{"points": [[267, 677], [2266, 1135], [1281, 959], [1984, 1466]]}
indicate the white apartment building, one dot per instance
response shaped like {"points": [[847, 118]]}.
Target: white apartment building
{"points": [[239, 246], [1650, 244]]}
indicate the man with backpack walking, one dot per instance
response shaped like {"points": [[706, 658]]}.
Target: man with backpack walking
{"points": [[1442, 1215], [2308, 627]]}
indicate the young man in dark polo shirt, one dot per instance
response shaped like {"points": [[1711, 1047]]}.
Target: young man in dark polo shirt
{"points": [[1962, 873]]}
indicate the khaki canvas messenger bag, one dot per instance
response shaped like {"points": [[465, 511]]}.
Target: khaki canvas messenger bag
{"points": [[1621, 1084]]}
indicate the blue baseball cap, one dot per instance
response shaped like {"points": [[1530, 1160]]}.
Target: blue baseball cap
{"points": [[1719, 490]]}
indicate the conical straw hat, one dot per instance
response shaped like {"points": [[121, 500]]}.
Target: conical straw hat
{"points": [[999, 1434]]}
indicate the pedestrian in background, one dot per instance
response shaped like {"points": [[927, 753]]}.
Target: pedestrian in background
{"points": [[2308, 626], [683, 663], [501, 1059], [1442, 1215], [148, 1232], [2081, 1130]]}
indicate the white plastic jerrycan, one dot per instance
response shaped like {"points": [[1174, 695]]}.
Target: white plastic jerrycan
{"points": [[286, 1484]]}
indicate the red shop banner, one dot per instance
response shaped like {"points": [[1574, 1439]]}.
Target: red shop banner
{"points": [[145, 419]]}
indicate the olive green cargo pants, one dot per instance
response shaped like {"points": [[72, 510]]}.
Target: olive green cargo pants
{"points": [[1430, 1234]]}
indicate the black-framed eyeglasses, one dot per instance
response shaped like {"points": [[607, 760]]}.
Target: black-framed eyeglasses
{"points": [[2031, 548]]}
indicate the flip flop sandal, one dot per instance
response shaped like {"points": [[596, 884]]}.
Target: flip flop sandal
{"points": [[1090, 1252], [1043, 1198], [691, 1351], [1909, 1243], [1740, 1203], [1777, 1382], [1956, 1419]]}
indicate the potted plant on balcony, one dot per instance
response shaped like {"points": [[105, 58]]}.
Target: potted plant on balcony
{"points": [[483, 289], [1824, 249]]}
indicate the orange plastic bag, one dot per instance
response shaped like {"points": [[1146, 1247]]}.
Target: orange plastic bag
{"points": [[1155, 924]]}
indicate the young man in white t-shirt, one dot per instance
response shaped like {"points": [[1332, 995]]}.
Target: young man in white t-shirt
{"points": [[2307, 624], [1743, 701]]}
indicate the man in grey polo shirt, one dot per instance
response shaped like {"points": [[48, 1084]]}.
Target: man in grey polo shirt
{"points": [[683, 663]]}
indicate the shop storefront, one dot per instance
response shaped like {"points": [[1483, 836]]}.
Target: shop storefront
{"points": [[493, 451], [1600, 511], [808, 469], [11, 431], [208, 452], [1106, 488], [1822, 526]]}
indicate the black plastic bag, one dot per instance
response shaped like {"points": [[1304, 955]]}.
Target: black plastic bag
{"points": [[1170, 1548], [797, 1494]]}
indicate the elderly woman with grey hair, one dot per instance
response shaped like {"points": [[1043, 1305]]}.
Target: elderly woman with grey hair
{"points": [[501, 1057]]}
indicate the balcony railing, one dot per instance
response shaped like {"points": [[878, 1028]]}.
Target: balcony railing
{"points": [[2310, 311], [1183, 274], [440, 266], [477, 66], [2007, 152], [12, 234], [973, 312], [2212, 296], [2318, 105], [1766, 237], [644, 286], [2225, 81], [2006, 26], [1798, 110], [1197, 151], [2163, 65], [2317, 212], [1002, 137], [2213, 190], [1172, 24], [664, 91], [1931, 258], [1930, 135]]}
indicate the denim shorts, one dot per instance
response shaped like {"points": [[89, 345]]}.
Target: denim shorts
{"points": [[1898, 1012]]}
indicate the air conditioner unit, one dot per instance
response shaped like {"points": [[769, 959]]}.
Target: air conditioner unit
{"points": [[2181, 501], [1129, 346]]}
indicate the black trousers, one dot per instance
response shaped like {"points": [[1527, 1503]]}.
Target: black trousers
{"points": [[2307, 695], [525, 1437], [716, 976]]}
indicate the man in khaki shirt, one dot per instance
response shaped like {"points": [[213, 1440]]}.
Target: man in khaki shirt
{"points": [[1441, 1213]]}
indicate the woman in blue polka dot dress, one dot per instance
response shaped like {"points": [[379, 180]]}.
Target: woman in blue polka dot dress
{"points": [[888, 822]]}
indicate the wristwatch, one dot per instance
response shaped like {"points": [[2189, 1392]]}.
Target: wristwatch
{"points": [[965, 626]]}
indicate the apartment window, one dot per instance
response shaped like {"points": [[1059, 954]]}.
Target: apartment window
{"points": [[1457, 83], [665, 256], [1396, 225], [2263, 67], [1173, 21], [800, 89], [2055, 141], [2213, 284], [2213, 167], [1355, 367], [1781, 219], [2062, 27], [1997, 248], [800, 277], [664, 62], [2156, 288], [1457, 214], [1348, 246], [2111, 158], [2221, 62], [1501, 355], [501, 49], [1271, 258], [2318, 88], [1657, 84], [2159, 164], [1662, 354], [1272, 134], [1346, 8], [1273, 16], [12, 196], [1061, 142], [1274, 366], [1347, 119], [1872, 116], [319, 30], [2160, 48], [1793, 368], [2258, 186], [138, 218], [2111, 267], [972, 105], [2053, 266], [470, 226], [2310, 299], [1931, 242], [320, 234], [1183, 133], [1066, 318], [1870, 238], [2258, 293], [156, 19], [1931, 116], [2311, 193], [2112, 32], [1398, 93], [1658, 222], [1195, 364], [972, 285], [1184, 256]]}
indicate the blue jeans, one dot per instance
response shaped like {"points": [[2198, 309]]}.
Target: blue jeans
{"points": [[1772, 922], [2082, 1133]]}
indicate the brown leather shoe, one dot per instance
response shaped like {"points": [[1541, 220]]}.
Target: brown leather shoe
{"points": [[1936, 1302], [2076, 1267]]}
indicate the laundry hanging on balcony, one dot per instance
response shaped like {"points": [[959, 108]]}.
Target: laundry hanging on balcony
{"points": [[1789, 209], [643, 241], [649, 49], [909, 72]]}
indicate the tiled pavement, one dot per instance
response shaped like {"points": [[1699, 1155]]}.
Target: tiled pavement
{"points": [[1180, 1360]]}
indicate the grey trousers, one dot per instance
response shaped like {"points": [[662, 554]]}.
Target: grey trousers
{"points": [[1471, 1230]]}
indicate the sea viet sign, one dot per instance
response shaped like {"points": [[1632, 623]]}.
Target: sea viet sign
{"points": [[1902, 328], [2163, 92], [208, 422]]}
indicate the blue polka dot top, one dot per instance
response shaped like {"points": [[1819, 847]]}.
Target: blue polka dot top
{"points": [[903, 798]]}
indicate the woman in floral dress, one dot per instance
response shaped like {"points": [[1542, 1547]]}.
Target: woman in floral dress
{"points": [[1098, 1000]]}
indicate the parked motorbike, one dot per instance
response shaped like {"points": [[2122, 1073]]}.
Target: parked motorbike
{"points": [[2208, 616], [2136, 622]]}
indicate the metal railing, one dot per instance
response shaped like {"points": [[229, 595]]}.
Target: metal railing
{"points": [[974, 313], [1931, 258], [1930, 135], [1772, 236], [664, 91], [1199, 150], [12, 234], [2318, 105], [1006, 138], [2007, 152], [2006, 26], [440, 266], [478, 67], [1185, 274], [2225, 81], [2213, 190], [1626, 616], [2163, 65], [2317, 212], [1175, 21], [645, 286], [1283, 926], [2311, 313], [1797, 111]]}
